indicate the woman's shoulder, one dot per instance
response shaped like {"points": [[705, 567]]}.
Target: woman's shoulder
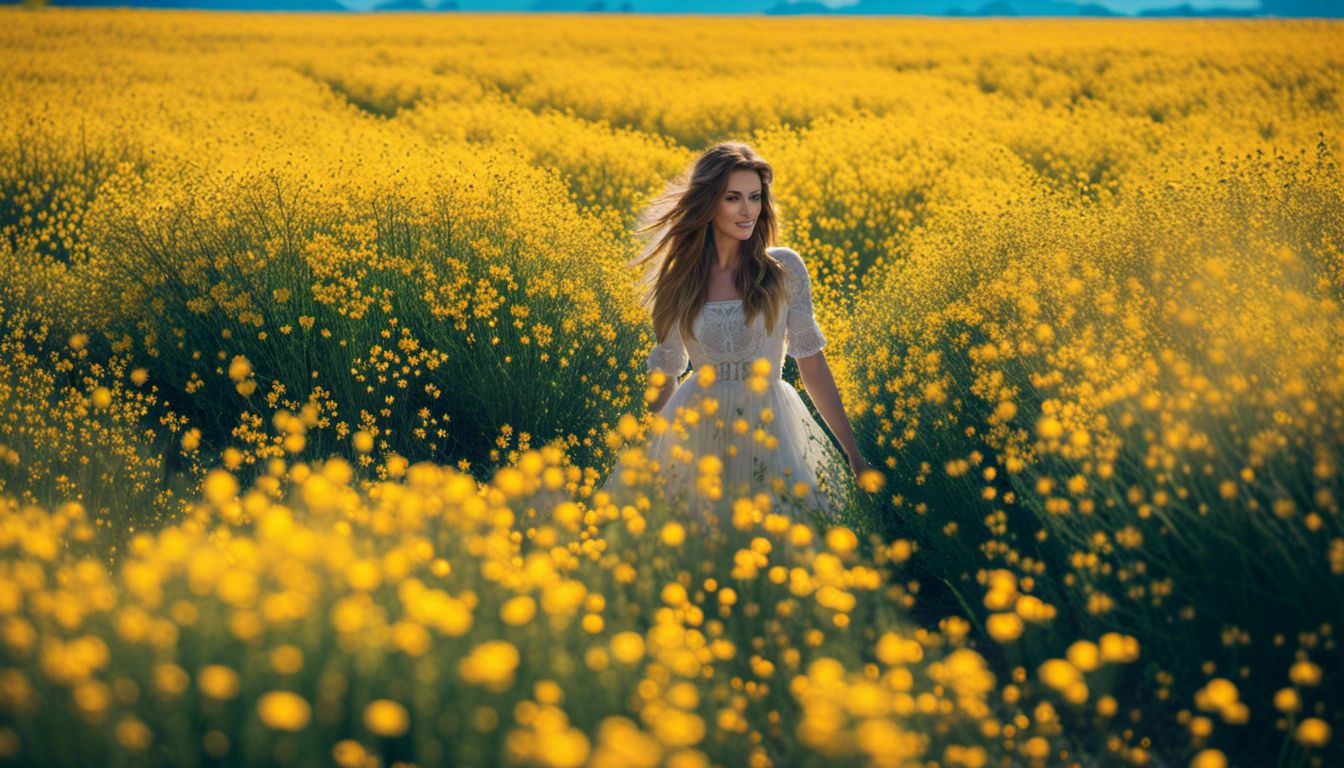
{"points": [[793, 264], [788, 257]]}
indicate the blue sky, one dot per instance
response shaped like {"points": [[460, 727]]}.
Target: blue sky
{"points": [[1120, 6]]}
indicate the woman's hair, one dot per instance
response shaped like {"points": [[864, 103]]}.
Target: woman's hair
{"points": [[681, 251]]}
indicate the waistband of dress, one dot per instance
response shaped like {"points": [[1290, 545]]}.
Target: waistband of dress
{"points": [[739, 370]]}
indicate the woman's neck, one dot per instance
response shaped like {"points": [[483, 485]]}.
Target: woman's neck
{"points": [[728, 255]]}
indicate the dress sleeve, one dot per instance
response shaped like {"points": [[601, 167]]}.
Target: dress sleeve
{"points": [[802, 337], [670, 355]]}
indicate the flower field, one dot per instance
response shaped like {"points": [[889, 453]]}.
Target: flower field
{"points": [[317, 341]]}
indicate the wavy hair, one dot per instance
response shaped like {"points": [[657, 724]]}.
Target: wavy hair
{"points": [[678, 258]]}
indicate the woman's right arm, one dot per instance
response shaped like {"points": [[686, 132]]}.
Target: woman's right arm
{"points": [[664, 392], [669, 357]]}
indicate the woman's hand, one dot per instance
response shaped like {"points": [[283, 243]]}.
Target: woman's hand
{"points": [[857, 464], [865, 476]]}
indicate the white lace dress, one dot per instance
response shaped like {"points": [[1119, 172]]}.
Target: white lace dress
{"points": [[754, 422]]}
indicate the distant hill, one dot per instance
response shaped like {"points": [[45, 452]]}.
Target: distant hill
{"points": [[945, 8], [325, 6], [415, 5], [1184, 9], [1035, 8], [1065, 8], [1283, 8]]}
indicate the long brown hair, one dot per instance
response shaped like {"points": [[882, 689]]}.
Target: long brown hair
{"points": [[678, 260]]}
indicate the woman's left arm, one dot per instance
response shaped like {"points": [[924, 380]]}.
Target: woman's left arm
{"points": [[820, 386]]}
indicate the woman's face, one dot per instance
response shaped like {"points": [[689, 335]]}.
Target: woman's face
{"points": [[740, 202]]}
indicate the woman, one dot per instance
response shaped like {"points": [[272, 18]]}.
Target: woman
{"points": [[734, 307]]}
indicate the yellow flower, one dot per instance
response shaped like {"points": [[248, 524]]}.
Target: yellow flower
{"points": [[386, 718], [627, 426], [240, 368], [673, 534], [1116, 647], [170, 679], [1287, 700], [287, 659], [133, 734], [102, 397], [710, 465], [519, 610], [628, 647], [1107, 706], [1219, 693], [893, 650], [1004, 627], [674, 594], [220, 487], [1304, 672], [676, 728], [1058, 674], [217, 681], [362, 441], [871, 480], [233, 458], [1312, 732], [1209, 758], [841, 540], [284, 711], [1084, 655], [1036, 748], [490, 664], [364, 575], [348, 753], [1049, 427]]}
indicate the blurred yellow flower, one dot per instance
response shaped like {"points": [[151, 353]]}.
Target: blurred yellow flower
{"points": [[1312, 732], [1304, 672], [673, 534], [362, 441], [133, 734], [284, 710], [490, 664], [628, 647], [387, 718], [240, 368], [1004, 627], [518, 610], [1287, 700], [841, 540], [220, 487], [217, 681]]}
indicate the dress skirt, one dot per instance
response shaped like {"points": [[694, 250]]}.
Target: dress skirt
{"points": [[739, 436]]}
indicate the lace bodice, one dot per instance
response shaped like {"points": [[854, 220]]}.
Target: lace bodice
{"points": [[722, 334]]}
